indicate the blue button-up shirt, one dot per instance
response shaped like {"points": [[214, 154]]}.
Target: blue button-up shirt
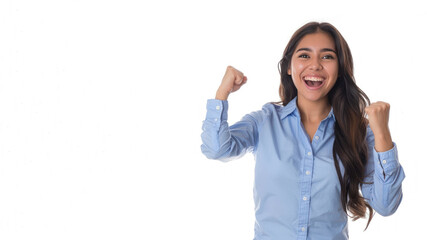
{"points": [[296, 187]]}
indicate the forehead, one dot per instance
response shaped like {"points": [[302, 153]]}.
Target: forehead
{"points": [[316, 41]]}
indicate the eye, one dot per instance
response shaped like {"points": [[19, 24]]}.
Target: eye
{"points": [[303, 56], [328, 57]]}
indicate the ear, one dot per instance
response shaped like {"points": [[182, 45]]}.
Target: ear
{"points": [[289, 71]]}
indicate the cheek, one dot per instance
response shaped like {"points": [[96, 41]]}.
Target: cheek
{"points": [[335, 68], [296, 68], [332, 70]]}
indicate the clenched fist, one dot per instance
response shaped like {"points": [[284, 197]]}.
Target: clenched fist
{"points": [[232, 81], [378, 115]]}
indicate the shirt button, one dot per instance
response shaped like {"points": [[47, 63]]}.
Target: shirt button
{"points": [[303, 229], [218, 107], [316, 137], [307, 172], [309, 153], [216, 119], [384, 161], [304, 198]]}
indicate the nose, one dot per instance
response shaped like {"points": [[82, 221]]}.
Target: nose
{"points": [[315, 64]]}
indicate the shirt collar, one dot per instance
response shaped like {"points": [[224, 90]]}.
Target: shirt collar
{"points": [[291, 107]]}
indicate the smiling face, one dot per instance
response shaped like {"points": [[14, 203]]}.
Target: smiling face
{"points": [[314, 67]]}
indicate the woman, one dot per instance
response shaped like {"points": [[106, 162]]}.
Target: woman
{"points": [[315, 149]]}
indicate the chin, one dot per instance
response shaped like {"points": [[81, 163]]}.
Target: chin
{"points": [[314, 98]]}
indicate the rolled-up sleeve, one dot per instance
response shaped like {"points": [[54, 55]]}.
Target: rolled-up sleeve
{"points": [[221, 142], [384, 177]]}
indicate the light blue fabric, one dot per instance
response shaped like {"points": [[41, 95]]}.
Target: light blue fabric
{"points": [[296, 187]]}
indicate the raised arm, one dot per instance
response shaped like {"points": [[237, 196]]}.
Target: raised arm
{"points": [[383, 169], [219, 140]]}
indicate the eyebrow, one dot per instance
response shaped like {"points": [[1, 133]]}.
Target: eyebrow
{"points": [[322, 50]]}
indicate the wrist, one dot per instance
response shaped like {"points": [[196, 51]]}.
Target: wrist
{"points": [[383, 143], [221, 95]]}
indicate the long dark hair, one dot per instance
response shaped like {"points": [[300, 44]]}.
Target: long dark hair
{"points": [[348, 102]]}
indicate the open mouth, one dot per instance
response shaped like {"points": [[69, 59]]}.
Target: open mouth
{"points": [[314, 82]]}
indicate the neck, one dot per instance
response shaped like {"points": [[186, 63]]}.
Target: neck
{"points": [[313, 111]]}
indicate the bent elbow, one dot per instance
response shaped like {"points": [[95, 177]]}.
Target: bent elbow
{"points": [[385, 212], [389, 209], [213, 155]]}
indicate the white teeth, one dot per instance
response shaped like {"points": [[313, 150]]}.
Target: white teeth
{"points": [[315, 79]]}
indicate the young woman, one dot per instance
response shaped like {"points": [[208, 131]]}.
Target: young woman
{"points": [[315, 149]]}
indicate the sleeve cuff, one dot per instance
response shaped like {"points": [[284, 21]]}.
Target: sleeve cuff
{"points": [[217, 111], [386, 162]]}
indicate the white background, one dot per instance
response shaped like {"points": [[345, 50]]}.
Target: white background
{"points": [[102, 103]]}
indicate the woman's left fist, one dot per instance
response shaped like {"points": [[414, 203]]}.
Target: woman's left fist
{"points": [[378, 114]]}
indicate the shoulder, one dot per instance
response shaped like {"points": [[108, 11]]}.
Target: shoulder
{"points": [[271, 107], [274, 110], [267, 111]]}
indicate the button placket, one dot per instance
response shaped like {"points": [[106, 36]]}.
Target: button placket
{"points": [[305, 186], [305, 192]]}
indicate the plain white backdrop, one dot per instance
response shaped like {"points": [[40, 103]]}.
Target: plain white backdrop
{"points": [[102, 103]]}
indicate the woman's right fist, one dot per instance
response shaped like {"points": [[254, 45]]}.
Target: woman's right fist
{"points": [[232, 81]]}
